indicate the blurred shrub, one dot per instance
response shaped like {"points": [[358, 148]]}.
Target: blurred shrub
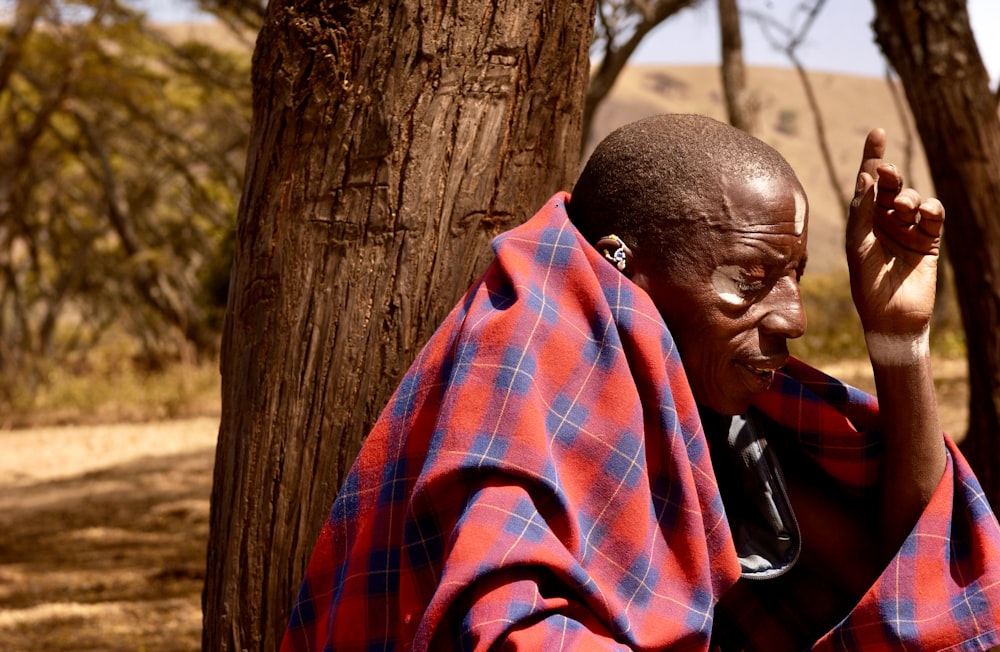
{"points": [[106, 384], [834, 331], [787, 122]]}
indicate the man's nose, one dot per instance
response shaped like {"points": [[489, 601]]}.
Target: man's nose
{"points": [[783, 311]]}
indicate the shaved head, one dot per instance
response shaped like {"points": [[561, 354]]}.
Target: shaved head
{"points": [[715, 225], [660, 181]]}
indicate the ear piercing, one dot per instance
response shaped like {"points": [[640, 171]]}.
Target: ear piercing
{"points": [[616, 257]]}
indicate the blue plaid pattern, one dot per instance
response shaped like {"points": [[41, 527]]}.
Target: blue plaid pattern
{"points": [[541, 480]]}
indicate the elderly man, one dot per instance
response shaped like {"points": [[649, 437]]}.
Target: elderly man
{"points": [[607, 446]]}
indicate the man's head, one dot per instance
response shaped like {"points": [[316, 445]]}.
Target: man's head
{"points": [[715, 225]]}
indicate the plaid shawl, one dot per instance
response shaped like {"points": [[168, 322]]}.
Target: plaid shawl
{"points": [[540, 478]]}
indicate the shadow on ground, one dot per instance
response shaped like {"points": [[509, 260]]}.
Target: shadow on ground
{"points": [[109, 560]]}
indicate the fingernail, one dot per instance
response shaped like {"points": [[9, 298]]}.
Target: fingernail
{"points": [[861, 183]]}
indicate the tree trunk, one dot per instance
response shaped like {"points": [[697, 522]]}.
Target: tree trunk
{"points": [[931, 46], [733, 71], [391, 141]]}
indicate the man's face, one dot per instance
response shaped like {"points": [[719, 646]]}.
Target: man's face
{"points": [[733, 308]]}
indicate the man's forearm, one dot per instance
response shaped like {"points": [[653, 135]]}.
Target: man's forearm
{"points": [[915, 454]]}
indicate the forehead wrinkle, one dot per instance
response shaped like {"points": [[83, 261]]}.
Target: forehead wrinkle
{"points": [[762, 250], [708, 218], [763, 229], [710, 206]]}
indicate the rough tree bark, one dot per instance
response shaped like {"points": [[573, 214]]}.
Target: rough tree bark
{"points": [[931, 46], [391, 141], [734, 84]]}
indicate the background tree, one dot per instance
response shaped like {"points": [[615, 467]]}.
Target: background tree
{"points": [[739, 102], [931, 45], [390, 142]]}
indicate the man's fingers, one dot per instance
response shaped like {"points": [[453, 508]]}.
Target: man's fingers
{"points": [[874, 151], [859, 220], [912, 225], [898, 218], [905, 206], [931, 217], [889, 184]]}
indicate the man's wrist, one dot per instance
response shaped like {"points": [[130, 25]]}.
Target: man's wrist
{"points": [[898, 350]]}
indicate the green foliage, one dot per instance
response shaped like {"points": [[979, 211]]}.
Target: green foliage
{"points": [[121, 161]]}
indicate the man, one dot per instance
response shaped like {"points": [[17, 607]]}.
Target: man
{"points": [[623, 456]]}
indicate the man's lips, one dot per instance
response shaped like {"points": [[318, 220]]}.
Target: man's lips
{"points": [[764, 367]]}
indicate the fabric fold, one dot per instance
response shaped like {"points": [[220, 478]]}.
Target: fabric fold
{"points": [[541, 477]]}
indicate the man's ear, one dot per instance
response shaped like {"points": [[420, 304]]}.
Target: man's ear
{"points": [[617, 253]]}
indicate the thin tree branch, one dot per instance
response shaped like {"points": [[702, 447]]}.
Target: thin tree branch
{"points": [[794, 39], [615, 57], [732, 69]]}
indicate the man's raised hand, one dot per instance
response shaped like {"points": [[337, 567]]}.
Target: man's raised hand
{"points": [[893, 242]]}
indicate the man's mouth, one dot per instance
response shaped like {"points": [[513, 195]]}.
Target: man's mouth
{"points": [[763, 369], [763, 372]]}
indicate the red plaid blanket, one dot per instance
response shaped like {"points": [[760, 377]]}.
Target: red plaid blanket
{"points": [[540, 478]]}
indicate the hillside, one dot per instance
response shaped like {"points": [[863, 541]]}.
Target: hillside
{"points": [[851, 107]]}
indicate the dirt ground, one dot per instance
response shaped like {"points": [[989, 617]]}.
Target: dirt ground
{"points": [[102, 536], [103, 528]]}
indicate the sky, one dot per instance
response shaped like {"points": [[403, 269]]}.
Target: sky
{"points": [[841, 39]]}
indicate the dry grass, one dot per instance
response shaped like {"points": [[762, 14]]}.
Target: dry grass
{"points": [[118, 393]]}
